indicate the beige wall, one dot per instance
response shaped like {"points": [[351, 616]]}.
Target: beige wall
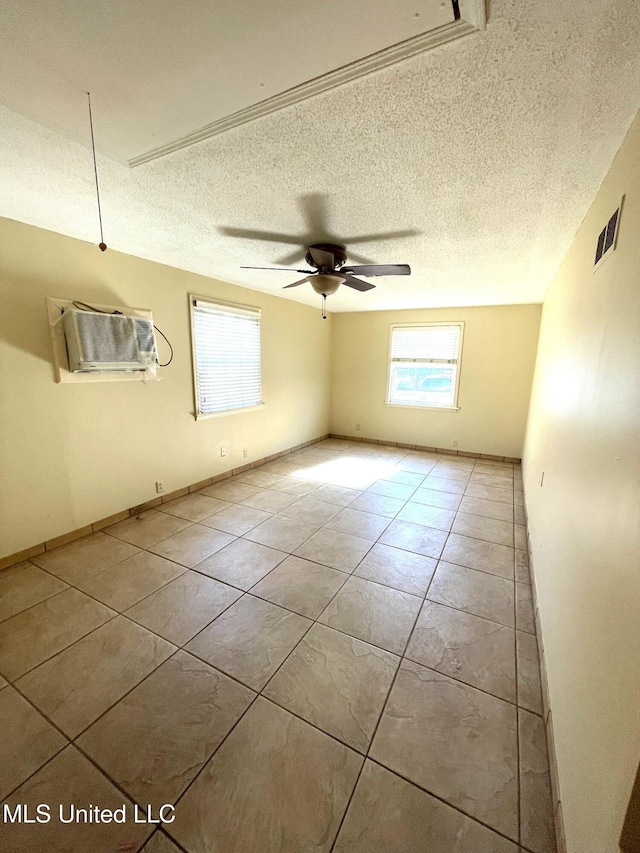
{"points": [[72, 454], [495, 381], [584, 433]]}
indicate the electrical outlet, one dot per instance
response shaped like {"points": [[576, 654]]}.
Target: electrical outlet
{"points": [[245, 453], [455, 442], [223, 450], [160, 487], [357, 426]]}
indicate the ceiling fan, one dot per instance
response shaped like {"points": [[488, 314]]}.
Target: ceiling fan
{"points": [[329, 271]]}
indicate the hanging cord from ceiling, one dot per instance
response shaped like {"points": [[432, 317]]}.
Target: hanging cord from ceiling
{"points": [[102, 245], [84, 307], [324, 306]]}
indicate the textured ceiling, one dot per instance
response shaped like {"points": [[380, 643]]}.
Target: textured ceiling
{"points": [[487, 150]]}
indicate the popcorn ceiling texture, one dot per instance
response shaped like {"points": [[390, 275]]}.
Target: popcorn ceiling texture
{"points": [[492, 147]]}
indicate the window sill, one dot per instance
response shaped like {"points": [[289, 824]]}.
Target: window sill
{"points": [[207, 415], [430, 408]]}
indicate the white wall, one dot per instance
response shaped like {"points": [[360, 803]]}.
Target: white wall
{"points": [[73, 454], [498, 357], [584, 433]]}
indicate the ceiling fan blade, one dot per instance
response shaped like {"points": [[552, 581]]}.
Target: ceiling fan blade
{"points": [[355, 283], [277, 269], [378, 269], [296, 283], [322, 258]]}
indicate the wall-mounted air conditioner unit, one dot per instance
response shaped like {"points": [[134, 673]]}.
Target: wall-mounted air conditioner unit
{"points": [[101, 342]]}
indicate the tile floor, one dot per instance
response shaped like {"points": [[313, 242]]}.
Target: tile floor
{"points": [[333, 652]]}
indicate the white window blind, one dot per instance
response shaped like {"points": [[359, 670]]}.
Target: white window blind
{"points": [[227, 357], [424, 365]]}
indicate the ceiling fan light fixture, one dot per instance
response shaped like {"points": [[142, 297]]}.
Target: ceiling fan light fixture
{"points": [[326, 284]]}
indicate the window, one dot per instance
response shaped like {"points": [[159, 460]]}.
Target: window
{"points": [[425, 365], [226, 357]]}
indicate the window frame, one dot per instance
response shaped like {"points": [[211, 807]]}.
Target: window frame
{"points": [[230, 306], [417, 406]]}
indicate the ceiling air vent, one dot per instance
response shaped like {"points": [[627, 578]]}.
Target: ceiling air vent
{"points": [[607, 237]]}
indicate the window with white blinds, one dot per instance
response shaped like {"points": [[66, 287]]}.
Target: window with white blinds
{"points": [[425, 365], [226, 342]]}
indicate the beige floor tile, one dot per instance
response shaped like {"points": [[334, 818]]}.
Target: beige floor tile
{"points": [[428, 516], [242, 563], [28, 741], [536, 810], [499, 510], [518, 497], [416, 465], [529, 686], [301, 586], [194, 507], [159, 843], [519, 515], [80, 683], [236, 519], [336, 682], [67, 779], [496, 469], [391, 490], [3, 683], [156, 739], [402, 570], [474, 592], [250, 640], [34, 635], [276, 785], [431, 497], [335, 549], [477, 554], [520, 535], [192, 545], [524, 609], [451, 472], [366, 525], [126, 583], [389, 815], [377, 504], [488, 529], [261, 479], [270, 500], [498, 482], [310, 510], [374, 613], [414, 537], [230, 491], [148, 528], [489, 493], [455, 741], [24, 585], [293, 486], [284, 534], [444, 484], [183, 607], [84, 557], [409, 478], [466, 647], [522, 566], [339, 495]]}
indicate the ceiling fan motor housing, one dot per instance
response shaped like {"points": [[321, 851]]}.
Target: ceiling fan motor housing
{"points": [[339, 254]]}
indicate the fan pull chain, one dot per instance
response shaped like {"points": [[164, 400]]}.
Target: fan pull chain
{"points": [[102, 245], [324, 306]]}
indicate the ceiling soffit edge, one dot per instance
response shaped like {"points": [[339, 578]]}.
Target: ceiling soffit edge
{"points": [[472, 19]]}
